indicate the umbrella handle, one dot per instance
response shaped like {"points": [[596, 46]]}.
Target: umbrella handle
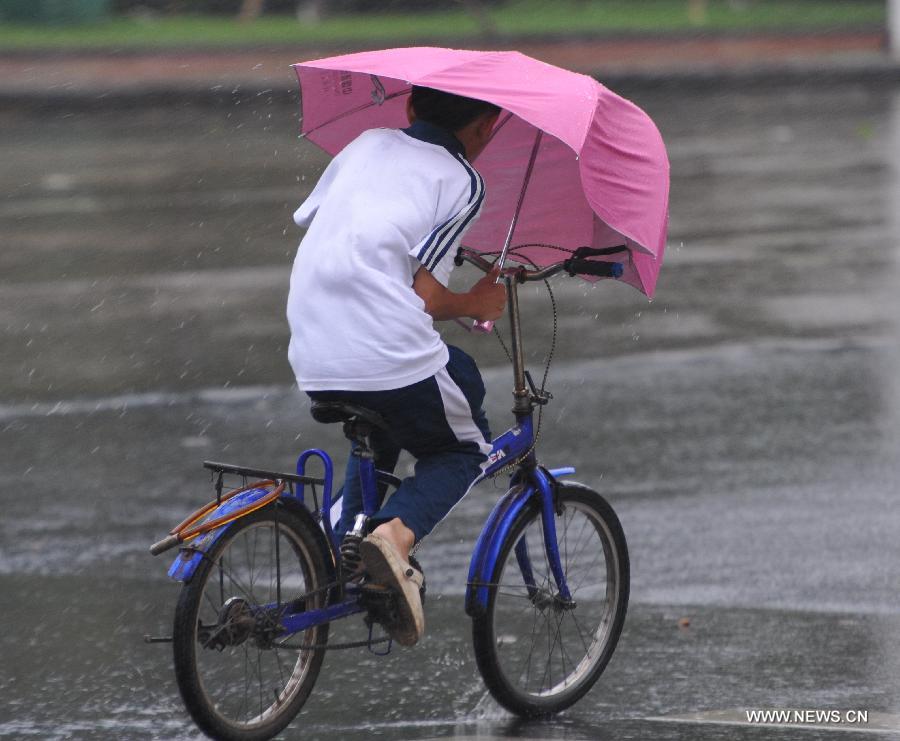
{"points": [[476, 326]]}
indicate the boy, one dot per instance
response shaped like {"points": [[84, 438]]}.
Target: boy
{"points": [[369, 280]]}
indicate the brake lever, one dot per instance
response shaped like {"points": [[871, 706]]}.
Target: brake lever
{"points": [[538, 397]]}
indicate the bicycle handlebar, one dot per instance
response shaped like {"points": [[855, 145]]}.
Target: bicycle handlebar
{"points": [[577, 264]]}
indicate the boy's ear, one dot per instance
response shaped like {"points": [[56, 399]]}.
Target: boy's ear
{"points": [[410, 111], [486, 124]]}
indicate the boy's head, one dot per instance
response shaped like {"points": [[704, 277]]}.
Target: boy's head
{"points": [[471, 120], [449, 111]]}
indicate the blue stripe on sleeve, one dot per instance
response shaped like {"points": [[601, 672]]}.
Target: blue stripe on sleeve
{"points": [[466, 216], [431, 237], [443, 229], [459, 230], [453, 230]]}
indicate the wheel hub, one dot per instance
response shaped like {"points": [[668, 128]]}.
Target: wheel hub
{"points": [[543, 599], [234, 625]]}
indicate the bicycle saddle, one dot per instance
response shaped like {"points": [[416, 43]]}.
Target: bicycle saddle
{"points": [[328, 412]]}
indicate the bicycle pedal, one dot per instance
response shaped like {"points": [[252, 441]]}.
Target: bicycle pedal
{"points": [[295, 605], [374, 588], [373, 642], [414, 562], [380, 604]]}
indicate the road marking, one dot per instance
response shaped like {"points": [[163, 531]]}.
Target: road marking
{"points": [[121, 404], [79, 204], [573, 372]]}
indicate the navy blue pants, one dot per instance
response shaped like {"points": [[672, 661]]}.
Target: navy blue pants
{"points": [[440, 421]]}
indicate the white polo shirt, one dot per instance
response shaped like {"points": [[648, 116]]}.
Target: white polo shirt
{"points": [[392, 200]]}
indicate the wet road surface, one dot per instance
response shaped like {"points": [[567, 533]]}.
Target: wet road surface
{"points": [[745, 424]]}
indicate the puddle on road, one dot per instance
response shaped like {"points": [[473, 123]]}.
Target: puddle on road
{"points": [[84, 655], [744, 425]]}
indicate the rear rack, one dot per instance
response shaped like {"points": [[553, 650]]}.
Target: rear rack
{"points": [[294, 483], [260, 473]]}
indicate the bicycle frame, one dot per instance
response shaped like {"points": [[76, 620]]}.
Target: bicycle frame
{"points": [[529, 482], [515, 446], [530, 485]]}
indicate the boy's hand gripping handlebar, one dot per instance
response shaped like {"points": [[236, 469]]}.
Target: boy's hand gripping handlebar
{"points": [[487, 326], [577, 264]]}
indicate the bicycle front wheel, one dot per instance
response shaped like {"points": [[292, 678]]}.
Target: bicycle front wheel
{"points": [[237, 676], [537, 653]]}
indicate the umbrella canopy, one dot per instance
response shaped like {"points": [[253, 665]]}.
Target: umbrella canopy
{"points": [[601, 174]]}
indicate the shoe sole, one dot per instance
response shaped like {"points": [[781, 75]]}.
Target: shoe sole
{"points": [[386, 568]]}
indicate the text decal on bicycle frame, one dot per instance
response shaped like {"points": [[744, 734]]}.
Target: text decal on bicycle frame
{"points": [[509, 447]]}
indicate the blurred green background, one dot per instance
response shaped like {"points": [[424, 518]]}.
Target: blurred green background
{"points": [[86, 24]]}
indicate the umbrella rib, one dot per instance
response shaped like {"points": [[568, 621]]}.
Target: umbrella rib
{"points": [[527, 179], [353, 111]]}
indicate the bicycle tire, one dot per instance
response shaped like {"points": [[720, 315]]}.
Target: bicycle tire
{"points": [[520, 626], [235, 681]]}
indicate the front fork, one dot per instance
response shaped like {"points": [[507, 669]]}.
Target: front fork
{"points": [[530, 485], [545, 486]]}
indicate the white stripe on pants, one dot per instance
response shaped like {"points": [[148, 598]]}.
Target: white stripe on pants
{"points": [[459, 413]]}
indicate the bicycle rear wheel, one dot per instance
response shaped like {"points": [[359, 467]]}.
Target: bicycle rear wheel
{"points": [[237, 678], [537, 654]]}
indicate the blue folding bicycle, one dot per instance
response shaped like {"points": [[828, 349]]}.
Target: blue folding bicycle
{"points": [[264, 574]]}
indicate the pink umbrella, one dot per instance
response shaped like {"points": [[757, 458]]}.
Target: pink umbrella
{"points": [[571, 164]]}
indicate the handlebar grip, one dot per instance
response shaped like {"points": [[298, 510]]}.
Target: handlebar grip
{"points": [[576, 266], [165, 544], [599, 251]]}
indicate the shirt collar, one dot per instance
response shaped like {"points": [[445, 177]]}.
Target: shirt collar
{"points": [[428, 132]]}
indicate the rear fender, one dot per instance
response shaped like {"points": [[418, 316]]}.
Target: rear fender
{"points": [[328, 551], [192, 554]]}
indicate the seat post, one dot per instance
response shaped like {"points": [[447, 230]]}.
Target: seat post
{"points": [[359, 424], [358, 432]]}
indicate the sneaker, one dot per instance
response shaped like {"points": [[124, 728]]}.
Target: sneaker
{"points": [[385, 566]]}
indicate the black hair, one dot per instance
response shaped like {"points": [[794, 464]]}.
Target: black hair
{"points": [[449, 111]]}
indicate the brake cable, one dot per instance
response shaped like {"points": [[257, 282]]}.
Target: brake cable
{"points": [[514, 252]]}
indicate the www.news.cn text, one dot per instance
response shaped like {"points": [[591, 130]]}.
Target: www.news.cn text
{"points": [[808, 717]]}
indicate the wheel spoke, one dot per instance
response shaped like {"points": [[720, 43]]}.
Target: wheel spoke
{"points": [[580, 541], [534, 630], [246, 694], [562, 646], [588, 571], [242, 678], [579, 632], [550, 645], [547, 661]]}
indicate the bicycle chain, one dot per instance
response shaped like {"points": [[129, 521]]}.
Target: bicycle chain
{"points": [[305, 596], [335, 646], [332, 646]]}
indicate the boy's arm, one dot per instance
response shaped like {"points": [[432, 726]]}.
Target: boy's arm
{"points": [[485, 301]]}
